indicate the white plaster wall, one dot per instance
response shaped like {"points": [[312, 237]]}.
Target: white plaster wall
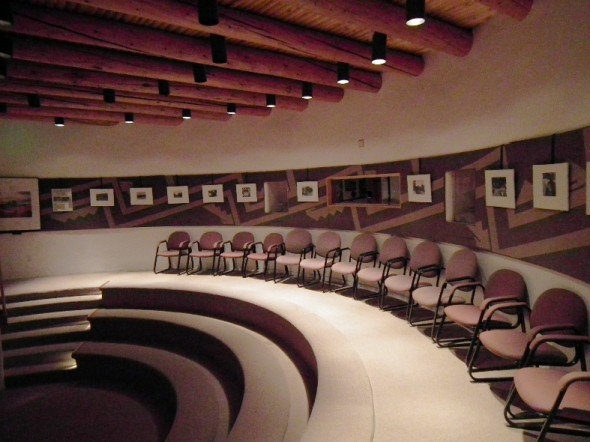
{"points": [[520, 80]]}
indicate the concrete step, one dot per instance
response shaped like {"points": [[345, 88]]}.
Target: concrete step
{"points": [[50, 335], [21, 297], [40, 354], [39, 369], [82, 302]]}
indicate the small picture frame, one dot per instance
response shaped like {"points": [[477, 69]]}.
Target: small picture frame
{"points": [[19, 204], [246, 193], [212, 193], [419, 189], [102, 197], [307, 191], [177, 194], [61, 200], [141, 196], [551, 186], [500, 188]]}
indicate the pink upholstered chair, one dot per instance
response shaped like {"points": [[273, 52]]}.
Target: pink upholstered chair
{"points": [[298, 244], [425, 263], [555, 401], [264, 253], [175, 247], [363, 250], [239, 247], [558, 328], [393, 256], [326, 253], [208, 246], [459, 272], [502, 286]]}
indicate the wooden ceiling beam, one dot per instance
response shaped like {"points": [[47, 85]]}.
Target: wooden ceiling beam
{"points": [[107, 34], [102, 60], [145, 88], [390, 19], [51, 120], [265, 31], [517, 9]]}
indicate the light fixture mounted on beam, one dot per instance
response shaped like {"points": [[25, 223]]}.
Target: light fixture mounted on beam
{"points": [[199, 73], [109, 95], [164, 87], [129, 118], [34, 100], [379, 55], [415, 12], [218, 49], [59, 121], [232, 109], [186, 114], [6, 17], [307, 91], [271, 100], [208, 13], [343, 73], [6, 49]]}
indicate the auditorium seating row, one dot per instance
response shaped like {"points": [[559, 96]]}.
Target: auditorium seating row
{"points": [[540, 348]]}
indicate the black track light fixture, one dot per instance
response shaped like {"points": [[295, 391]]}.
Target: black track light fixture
{"points": [[343, 73], [415, 12], [59, 121], [379, 55], [186, 114], [164, 87], [34, 100], [199, 73], [232, 109], [218, 49], [6, 17], [208, 13], [109, 95], [307, 91], [271, 100], [129, 118], [6, 49]]}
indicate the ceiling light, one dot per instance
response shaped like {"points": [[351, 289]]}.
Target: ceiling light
{"points": [[129, 118], [208, 15], [59, 121], [218, 49], [415, 12], [271, 100], [379, 55], [307, 91], [6, 18], [186, 114], [232, 109], [5, 46], [199, 73], [343, 73], [109, 95], [34, 100], [163, 87]]}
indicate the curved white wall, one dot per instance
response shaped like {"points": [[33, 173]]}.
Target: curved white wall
{"points": [[521, 80]]}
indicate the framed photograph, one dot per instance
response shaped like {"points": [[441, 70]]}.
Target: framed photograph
{"points": [[276, 197], [460, 187], [246, 193], [419, 190], [141, 196], [177, 194], [102, 197], [61, 200], [212, 193], [500, 188], [551, 186], [19, 204], [307, 191]]}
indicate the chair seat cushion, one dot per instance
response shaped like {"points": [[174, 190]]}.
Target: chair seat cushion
{"points": [[232, 255], [511, 345], [313, 263], [169, 253], [202, 254], [258, 256], [372, 274], [399, 283], [538, 387], [428, 297], [468, 315], [288, 260], [344, 268]]}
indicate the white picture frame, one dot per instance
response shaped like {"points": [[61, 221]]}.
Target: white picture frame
{"points": [[307, 191], [141, 196], [61, 200], [419, 188], [246, 193], [102, 197], [212, 193], [551, 186], [500, 190], [177, 194], [19, 204]]}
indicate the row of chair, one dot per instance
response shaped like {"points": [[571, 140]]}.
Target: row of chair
{"points": [[496, 316]]}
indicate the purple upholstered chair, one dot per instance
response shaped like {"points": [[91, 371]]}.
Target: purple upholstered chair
{"points": [[298, 244], [265, 252], [239, 247], [558, 329], [325, 254], [208, 246], [176, 246], [363, 250]]}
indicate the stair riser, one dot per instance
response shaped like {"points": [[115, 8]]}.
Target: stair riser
{"points": [[13, 344], [31, 310]]}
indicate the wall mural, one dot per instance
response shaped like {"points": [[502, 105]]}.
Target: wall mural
{"points": [[558, 240]]}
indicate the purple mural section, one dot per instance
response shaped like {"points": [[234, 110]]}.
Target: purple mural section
{"points": [[558, 240]]}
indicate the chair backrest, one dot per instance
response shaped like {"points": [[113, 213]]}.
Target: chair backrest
{"points": [[505, 282], [326, 242], [242, 240], [425, 254], [560, 306], [209, 240], [363, 243], [178, 240], [297, 240], [462, 265], [394, 247], [270, 240]]}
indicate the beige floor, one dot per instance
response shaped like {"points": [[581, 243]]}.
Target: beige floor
{"points": [[409, 389]]}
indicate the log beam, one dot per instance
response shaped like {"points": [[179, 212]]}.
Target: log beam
{"points": [[517, 9]]}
